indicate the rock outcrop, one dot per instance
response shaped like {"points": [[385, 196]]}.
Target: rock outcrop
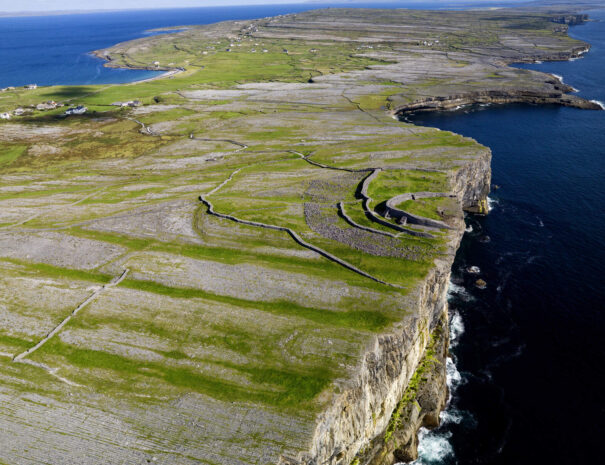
{"points": [[455, 101]]}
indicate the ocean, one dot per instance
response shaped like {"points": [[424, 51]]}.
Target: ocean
{"points": [[49, 50], [528, 376]]}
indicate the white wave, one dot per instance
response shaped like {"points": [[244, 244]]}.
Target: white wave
{"points": [[456, 329], [450, 416], [598, 102], [469, 229], [454, 378], [459, 291], [538, 62], [433, 448], [474, 269], [491, 203], [558, 76]]}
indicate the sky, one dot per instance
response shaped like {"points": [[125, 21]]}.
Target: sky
{"points": [[81, 5], [24, 6]]}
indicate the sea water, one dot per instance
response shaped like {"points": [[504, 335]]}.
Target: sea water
{"points": [[531, 357], [55, 49]]}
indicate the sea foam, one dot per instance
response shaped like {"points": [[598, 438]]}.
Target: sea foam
{"points": [[455, 290], [598, 102], [433, 448], [456, 328], [491, 203]]}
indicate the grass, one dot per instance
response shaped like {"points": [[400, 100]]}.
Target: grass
{"points": [[359, 320], [51, 271], [428, 208], [10, 154], [287, 388]]}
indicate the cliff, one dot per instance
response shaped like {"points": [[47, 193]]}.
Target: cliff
{"points": [[225, 285]]}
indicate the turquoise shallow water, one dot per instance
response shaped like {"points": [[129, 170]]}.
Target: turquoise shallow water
{"points": [[531, 355]]}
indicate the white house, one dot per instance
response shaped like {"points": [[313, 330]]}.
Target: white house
{"points": [[5, 116], [79, 110], [31, 86]]}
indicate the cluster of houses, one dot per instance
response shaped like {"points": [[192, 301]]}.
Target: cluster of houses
{"points": [[50, 105], [27, 87], [130, 103], [428, 43], [17, 112]]}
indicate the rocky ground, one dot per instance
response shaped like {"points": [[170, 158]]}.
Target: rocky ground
{"points": [[202, 280]]}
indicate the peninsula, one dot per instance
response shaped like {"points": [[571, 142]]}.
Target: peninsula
{"points": [[247, 261]]}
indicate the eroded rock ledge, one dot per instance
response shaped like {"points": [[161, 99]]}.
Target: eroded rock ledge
{"points": [[497, 97]]}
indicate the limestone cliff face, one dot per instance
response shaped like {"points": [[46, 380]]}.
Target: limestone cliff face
{"points": [[353, 429]]}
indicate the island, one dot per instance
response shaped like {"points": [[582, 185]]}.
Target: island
{"points": [[246, 261]]}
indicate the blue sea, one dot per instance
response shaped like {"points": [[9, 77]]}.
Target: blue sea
{"points": [[48, 50], [528, 354], [529, 377]]}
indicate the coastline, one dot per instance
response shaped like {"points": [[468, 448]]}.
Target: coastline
{"points": [[166, 72], [386, 389], [438, 444]]}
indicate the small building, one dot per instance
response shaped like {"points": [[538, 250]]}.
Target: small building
{"points": [[265, 51], [50, 105], [79, 110], [156, 63], [5, 116], [18, 112], [31, 86]]}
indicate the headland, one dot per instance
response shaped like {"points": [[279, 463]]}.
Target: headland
{"points": [[250, 266]]}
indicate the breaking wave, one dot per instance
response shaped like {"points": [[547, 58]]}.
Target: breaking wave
{"points": [[456, 290], [434, 447], [491, 203], [598, 102], [456, 328]]}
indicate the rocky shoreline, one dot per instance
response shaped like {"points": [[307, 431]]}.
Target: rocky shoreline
{"points": [[497, 97]]}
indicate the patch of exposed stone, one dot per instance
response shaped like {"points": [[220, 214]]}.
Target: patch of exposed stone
{"points": [[324, 220]]}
